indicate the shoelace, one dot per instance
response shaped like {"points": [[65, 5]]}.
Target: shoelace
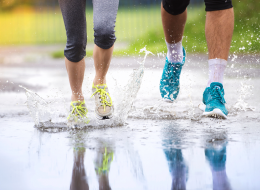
{"points": [[78, 110], [103, 93], [107, 159], [218, 94]]}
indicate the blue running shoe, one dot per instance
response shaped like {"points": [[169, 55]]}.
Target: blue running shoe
{"points": [[213, 98], [169, 83]]}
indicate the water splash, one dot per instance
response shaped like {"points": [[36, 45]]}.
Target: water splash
{"points": [[244, 92], [45, 112], [127, 95], [48, 114], [37, 107]]}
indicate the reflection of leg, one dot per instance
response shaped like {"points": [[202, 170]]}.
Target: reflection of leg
{"points": [[220, 180], [217, 161], [103, 182], [102, 164], [177, 168], [79, 178]]}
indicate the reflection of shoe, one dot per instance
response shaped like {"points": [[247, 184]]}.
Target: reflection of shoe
{"points": [[174, 158], [78, 113], [169, 83], [104, 106], [216, 158], [103, 162], [213, 98]]}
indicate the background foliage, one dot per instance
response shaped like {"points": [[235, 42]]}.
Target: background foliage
{"points": [[138, 24]]}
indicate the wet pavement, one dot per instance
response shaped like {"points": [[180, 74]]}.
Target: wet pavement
{"points": [[158, 146]]}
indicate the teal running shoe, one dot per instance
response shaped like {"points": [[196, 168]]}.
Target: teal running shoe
{"points": [[169, 83], [213, 98]]}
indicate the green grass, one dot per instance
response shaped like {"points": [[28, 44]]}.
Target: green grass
{"points": [[246, 37]]}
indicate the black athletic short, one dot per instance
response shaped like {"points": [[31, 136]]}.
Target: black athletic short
{"points": [[176, 7]]}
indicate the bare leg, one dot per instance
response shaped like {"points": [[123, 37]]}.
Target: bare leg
{"points": [[76, 76], [173, 25], [219, 30], [102, 58]]}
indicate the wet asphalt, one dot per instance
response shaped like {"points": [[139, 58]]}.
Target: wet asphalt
{"points": [[160, 146]]}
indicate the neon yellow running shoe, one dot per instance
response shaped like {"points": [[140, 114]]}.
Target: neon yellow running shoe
{"points": [[104, 106], [78, 113]]}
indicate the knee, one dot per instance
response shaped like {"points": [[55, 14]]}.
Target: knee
{"points": [[175, 7], [75, 51], [216, 5], [104, 37]]}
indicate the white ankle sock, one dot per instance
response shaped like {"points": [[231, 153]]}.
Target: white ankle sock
{"points": [[175, 54], [216, 70]]}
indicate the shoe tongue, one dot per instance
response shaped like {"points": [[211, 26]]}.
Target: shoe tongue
{"points": [[78, 103], [216, 84], [101, 87]]}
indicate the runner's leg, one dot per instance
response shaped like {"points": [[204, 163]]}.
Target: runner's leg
{"points": [[73, 13], [219, 30], [104, 23], [174, 16]]}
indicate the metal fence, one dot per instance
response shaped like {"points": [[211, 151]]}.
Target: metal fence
{"points": [[40, 21]]}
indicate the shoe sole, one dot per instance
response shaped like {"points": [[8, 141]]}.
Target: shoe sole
{"points": [[103, 117], [216, 113], [167, 100]]}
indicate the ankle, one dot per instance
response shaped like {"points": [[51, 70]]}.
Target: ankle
{"points": [[175, 52], [98, 81], [216, 70], [77, 97]]}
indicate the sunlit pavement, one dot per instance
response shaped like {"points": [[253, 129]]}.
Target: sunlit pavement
{"points": [[160, 146]]}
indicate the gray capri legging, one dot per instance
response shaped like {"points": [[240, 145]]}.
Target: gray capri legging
{"points": [[73, 12]]}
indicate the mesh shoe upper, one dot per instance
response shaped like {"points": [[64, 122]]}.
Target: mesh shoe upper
{"points": [[103, 101], [213, 97], [169, 83], [78, 112]]}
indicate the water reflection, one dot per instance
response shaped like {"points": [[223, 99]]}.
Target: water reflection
{"points": [[177, 167], [94, 154], [104, 157], [215, 153], [102, 162], [79, 178]]}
